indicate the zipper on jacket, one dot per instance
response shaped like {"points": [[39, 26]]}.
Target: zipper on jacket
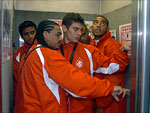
{"points": [[68, 103]]}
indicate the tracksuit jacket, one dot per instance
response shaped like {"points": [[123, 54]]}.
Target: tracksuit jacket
{"points": [[46, 78], [91, 40], [108, 46], [88, 59], [16, 61]]}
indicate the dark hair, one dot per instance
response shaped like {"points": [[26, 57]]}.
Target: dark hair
{"points": [[86, 28], [69, 18], [45, 25], [107, 22], [26, 24]]}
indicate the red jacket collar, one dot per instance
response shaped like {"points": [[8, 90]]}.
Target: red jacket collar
{"points": [[26, 45], [106, 36]]}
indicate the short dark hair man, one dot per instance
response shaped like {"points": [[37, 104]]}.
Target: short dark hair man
{"points": [[86, 58], [109, 46], [27, 30]]}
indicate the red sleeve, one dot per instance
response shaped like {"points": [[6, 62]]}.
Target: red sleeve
{"points": [[15, 71], [112, 50], [74, 80], [103, 102], [16, 62], [119, 57]]}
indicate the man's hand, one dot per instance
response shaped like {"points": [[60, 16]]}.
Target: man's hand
{"points": [[119, 90], [126, 48]]}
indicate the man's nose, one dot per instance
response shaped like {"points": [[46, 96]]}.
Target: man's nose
{"points": [[60, 38], [30, 35], [99, 24], [79, 32]]}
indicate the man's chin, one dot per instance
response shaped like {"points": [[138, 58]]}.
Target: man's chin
{"points": [[56, 48], [29, 42], [97, 34], [75, 41]]}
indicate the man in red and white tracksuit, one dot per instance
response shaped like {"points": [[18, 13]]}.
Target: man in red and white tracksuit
{"points": [[108, 46], [86, 58], [27, 30]]}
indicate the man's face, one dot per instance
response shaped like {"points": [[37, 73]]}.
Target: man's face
{"points": [[53, 38], [99, 27], [28, 34], [84, 37], [73, 33]]}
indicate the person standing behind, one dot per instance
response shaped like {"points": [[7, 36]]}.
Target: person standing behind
{"points": [[27, 30], [108, 46], [86, 58], [85, 37]]}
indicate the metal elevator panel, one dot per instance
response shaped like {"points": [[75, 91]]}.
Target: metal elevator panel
{"points": [[140, 66]]}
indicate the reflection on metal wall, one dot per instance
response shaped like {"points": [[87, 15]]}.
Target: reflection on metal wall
{"points": [[145, 56], [6, 55], [7, 30], [140, 73], [0, 54], [133, 75]]}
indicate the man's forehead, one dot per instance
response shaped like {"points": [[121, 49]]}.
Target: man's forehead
{"points": [[99, 18], [57, 28], [29, 29], [77, 24]]}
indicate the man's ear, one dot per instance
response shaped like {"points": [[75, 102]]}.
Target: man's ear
{"points": [[64, 28], [45, 35]]}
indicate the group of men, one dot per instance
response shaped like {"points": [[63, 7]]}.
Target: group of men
{"points": [[47, 83]]}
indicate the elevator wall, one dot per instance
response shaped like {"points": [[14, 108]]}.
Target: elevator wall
{"points": [[37, 16]]}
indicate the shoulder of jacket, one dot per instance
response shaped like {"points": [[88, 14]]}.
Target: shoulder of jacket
{"points": [[91, 48], [19, 49], [112, 42]]}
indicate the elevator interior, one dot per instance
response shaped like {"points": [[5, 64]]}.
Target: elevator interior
{"points": [[137, 13]]}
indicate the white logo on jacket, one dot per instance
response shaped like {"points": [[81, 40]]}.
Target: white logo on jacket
{"points": [[79, 63]]}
